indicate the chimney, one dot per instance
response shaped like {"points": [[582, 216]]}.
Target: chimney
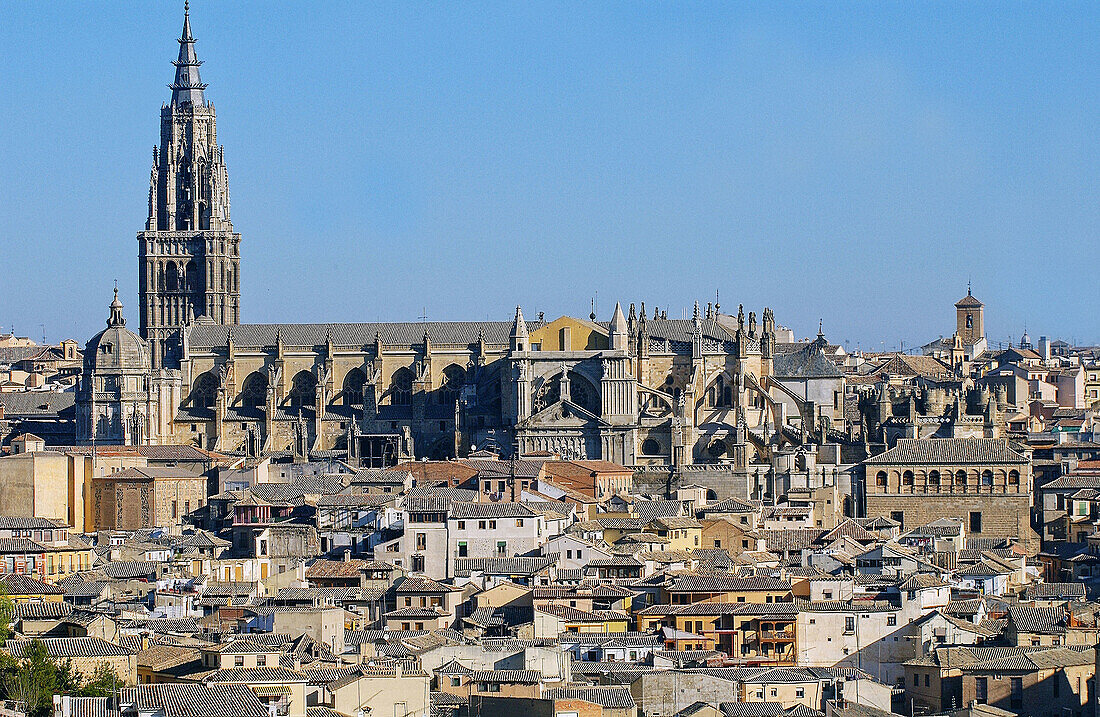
{"points": [[347, 556]]}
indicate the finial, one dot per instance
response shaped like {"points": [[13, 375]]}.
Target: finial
{"points": [[968, 287], [819, 331], [186, 6]]}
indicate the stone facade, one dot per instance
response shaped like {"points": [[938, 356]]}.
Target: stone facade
{"points": [[640, 391], [188, 254], [120, 398], [982, 481]]}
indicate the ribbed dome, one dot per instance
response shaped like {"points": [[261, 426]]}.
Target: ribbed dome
{"points": [[116, 347]]}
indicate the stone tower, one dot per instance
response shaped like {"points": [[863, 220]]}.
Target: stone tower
{"points": [[188, 255], [970, 319]]}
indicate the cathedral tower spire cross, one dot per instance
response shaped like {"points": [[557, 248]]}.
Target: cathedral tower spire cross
{"points": [[188, 255]]}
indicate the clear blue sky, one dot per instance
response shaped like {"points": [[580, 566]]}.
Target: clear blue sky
{"points": [[856, 162]]}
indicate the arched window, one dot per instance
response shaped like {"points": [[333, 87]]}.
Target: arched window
{"points": [[582, 393], [1014, 477], [352, 390], [934, 478], [960, 477], [987, 477], [880, 479], [548, 394], [254, 390], [907, 478], [191, 276], [721, 393], [401, 387], [172, 277], [650, 447], [303, 389], [454, 377], [205, 391]]}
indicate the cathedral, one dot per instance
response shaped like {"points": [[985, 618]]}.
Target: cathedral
{"points": [[640, 389]]}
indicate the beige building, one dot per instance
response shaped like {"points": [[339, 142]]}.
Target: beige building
{"points": [[135, 498], [985, 482], [45, 484], [86, 654]]}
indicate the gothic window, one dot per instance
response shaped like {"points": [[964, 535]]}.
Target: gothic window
{"points": [[401, 387], [721, 393], [191, 276], [204, 391], [254, 390], [651, 447], [454, 376], [548, 394], [303, 389], [353, 387], [172, 278], [582, 393]]}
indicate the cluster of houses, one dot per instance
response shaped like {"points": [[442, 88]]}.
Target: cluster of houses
{"points": [[536, 586]]}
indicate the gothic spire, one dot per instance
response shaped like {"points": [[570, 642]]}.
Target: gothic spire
{"points": [[188, 86]]}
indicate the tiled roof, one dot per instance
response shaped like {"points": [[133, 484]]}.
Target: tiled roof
{"points": [[606, 697], [490, 510], [423, 585], [19, 584], [36, 403], [63, 647], [126, 569], [726, 583], [454, 333], [1055, 591], [21, 545], [194, 700], [808, 361], [503, 566], [1040, 620], [42, 610], [949, 451]]}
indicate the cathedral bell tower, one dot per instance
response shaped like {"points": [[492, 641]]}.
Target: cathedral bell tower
{"points": [[188, 255]]}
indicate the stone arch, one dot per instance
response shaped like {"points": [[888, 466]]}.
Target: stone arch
{"points": [[934, 477], [172, 277], [653, 405], [352, 389], [254, 390], [401, 387], [908, 478], [720, 392], [881, 479], [204, 391], [453, 379], [190, 276], [583, 393], [987, 477], [1014, 477], [303, 389]]}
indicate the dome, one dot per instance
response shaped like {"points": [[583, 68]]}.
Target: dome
{"points": [[1025, 340], [116, 347]]}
